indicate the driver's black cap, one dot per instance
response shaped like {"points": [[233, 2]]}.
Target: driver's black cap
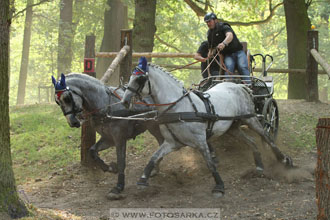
{"points": [[209, 16]]}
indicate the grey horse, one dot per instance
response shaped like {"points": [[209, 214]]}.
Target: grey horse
{"points": [[82, 97], [229, 100]]}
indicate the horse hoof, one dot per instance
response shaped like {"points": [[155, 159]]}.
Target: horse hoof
{"points": [[113, 168], [288, 161], [141, 187], [142, 183], [114, 196], [115, 193], [259, 171], [217, 195], [218, 191]]}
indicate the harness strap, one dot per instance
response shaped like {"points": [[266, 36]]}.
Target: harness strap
{"points": [[143, 103], [173, 103], [192, 103], [196, 117], [209, 109]]}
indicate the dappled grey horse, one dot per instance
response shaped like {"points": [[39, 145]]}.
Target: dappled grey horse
{"points": [[82, 97], [230, 101]]}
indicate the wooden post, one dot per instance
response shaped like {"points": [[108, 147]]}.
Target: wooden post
{"points": [[322, 171], [126, 65], [311, 68], [88, 135]]}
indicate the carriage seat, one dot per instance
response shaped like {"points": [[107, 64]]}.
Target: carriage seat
{"points": [[268, 78]]}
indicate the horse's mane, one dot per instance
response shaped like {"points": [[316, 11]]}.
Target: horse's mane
{"points": [[165, 71], [85, 77]]}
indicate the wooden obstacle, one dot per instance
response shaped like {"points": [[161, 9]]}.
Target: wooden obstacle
{"points": [[322, 172]]}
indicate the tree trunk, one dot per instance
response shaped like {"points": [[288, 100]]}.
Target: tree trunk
{"points": [[115, 19], [77, 8], [65, 38], [25, 54], [144, 25], [9, 200], [297, 25], [323, 169]]}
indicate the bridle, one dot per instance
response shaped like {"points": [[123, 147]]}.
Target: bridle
{"points": [[74, 109], [141, 80]]}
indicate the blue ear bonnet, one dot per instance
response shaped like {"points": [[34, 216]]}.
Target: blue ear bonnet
{"points": [[142, 67], [60, 85]]}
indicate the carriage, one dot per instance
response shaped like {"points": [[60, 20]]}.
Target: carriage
{"points": [[262, 91]]}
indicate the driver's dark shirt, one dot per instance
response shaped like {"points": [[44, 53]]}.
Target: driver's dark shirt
{"points": [[218, 34]]}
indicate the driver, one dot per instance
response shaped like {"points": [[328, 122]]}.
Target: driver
{"points": [[222, 37]]}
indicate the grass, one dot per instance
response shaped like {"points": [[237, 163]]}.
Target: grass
{"points": [[299, 130], [42, 142]]}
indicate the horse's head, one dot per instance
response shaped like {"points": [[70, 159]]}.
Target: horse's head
{"points": [[69, 100], [139, 84]]}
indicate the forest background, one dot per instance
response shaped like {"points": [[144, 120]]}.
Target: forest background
{"points": [[179, 28]]}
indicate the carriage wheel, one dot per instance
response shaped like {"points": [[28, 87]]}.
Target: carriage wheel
{"points": [[271, 118]]}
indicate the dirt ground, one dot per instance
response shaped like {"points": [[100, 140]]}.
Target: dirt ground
{"points": [[185, 182]]}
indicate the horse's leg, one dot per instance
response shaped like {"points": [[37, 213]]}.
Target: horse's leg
{"points": [[213, 153], [164, 149], [154, 129], [255, 125], [219, 189], [102, 144], [237, 132], [121, 161]]}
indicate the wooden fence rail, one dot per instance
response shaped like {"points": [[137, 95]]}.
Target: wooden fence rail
{"points": [[120, 56], [148, 55], [197, 67], [321, 61]]}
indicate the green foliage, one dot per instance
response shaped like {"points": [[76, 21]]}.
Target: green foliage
{"points": [[177, 25]]}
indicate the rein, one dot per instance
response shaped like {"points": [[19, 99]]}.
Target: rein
{"points": [[222, 63], [87, 114], [189, 64]]}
